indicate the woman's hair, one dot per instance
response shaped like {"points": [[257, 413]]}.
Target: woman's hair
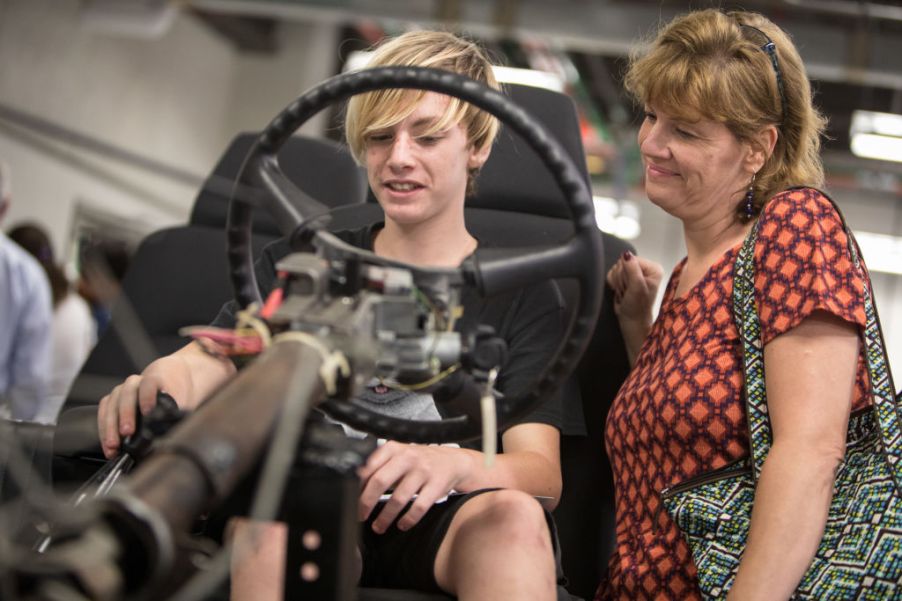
{"points": [[720, 66], [375, 111], [35, 240]]}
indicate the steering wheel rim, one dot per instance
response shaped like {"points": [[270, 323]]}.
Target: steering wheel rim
{"points": [[580, 257]]}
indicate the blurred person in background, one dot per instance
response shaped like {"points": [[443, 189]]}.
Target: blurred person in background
{"points": [[74, 330], [102, 265], [25, 326]]}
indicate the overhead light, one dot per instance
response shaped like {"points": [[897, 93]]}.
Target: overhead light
{"points": [[885, 124], [626, 225], [357, 60], [617, 217], [874, 146], [529, 77], [876, 135], [881, 252]]}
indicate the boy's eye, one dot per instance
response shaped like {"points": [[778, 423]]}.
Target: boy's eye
{"points": [[429, 139]]}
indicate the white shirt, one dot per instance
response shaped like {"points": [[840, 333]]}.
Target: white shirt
{"points": [[74, 335]]}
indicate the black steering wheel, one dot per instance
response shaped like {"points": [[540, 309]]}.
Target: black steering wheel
{"points": [[491, 271]]}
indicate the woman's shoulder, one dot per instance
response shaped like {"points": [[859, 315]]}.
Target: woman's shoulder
{"points": [[798, 202], [803, 263], [799, 211]]}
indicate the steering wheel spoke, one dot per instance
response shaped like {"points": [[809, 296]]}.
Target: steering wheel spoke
{"points": [[289, 205], [497, 270]]}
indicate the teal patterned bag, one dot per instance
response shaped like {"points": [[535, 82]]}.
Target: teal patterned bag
{"points": [[860, 555]]}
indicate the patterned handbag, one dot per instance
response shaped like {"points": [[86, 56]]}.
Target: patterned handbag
{"points": [[860, 554]]}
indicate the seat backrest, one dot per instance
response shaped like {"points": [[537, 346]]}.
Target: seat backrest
{"points": [[515, 178], [517, 203]]}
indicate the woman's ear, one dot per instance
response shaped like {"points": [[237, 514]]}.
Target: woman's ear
{"points": [[761, 147], [478, 156]]}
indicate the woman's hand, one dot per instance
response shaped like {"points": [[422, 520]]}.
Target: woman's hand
{"points": [[635, 283]]}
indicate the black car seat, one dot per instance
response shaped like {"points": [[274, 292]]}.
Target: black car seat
{"points": [[517, 204]]}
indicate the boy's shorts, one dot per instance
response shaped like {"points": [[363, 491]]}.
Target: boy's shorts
{"points": [[406, 559]]}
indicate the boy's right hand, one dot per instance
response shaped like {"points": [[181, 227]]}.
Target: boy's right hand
{"points": [[188, 375], [117, 411]]}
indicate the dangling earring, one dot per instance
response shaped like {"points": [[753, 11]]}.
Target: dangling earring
{"points": [[749, 205]]}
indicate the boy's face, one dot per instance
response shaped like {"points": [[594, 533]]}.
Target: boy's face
{"points": [[418, 178]]}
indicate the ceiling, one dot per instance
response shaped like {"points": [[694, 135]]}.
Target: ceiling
{"points": [[852, 49]]}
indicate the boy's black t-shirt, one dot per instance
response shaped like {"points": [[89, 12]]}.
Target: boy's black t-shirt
{"points": [[530, 320]]}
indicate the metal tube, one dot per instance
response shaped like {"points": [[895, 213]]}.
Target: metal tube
{"points": [[201, 461]]}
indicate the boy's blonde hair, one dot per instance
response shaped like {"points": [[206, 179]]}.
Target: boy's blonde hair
{"points": [[380, 110]]}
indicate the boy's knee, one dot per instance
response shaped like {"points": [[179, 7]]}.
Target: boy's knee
{"points": [[512, 516], [500, 534]]}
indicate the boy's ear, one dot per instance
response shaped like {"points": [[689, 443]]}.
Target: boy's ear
{"points": [[478, 156]]}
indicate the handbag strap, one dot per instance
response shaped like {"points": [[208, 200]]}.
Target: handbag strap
{"points": [[885, 406]]}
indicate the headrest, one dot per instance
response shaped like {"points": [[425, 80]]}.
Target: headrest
{"points": [[514, 178], [322, 168]]}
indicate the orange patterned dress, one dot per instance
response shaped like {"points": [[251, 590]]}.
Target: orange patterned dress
{"points": [[680, 413]]}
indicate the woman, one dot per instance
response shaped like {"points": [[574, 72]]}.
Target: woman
{"points": [[730, 126], [422, 151], [74, 333]]}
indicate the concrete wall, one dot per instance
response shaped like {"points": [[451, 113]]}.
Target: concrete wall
{"points": [[177, 99]]}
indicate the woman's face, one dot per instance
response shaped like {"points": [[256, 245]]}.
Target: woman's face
{"points": [[693, 170], [418, 177]]}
